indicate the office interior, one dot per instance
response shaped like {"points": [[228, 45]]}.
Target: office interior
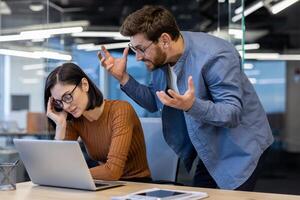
{"points": [[38, 35]]}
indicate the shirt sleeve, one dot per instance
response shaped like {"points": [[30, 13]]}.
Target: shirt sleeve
{"points": [[223, 77], [122, 130], [141, 94]]}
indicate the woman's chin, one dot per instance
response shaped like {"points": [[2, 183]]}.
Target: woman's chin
{"points": [[76, 114]]}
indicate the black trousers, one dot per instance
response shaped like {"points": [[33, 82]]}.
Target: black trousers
{"points": [[202, 178]]}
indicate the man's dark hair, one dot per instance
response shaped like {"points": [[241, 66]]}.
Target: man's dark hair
{"points": [[151, 21]]}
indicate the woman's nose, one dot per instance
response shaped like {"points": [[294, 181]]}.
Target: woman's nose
{"points": [[66, 105]]}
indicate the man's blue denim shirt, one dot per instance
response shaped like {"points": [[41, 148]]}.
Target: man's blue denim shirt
{"points": [[226, 126]]}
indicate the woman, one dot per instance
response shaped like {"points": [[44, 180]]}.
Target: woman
{"points": [[109, 129]]}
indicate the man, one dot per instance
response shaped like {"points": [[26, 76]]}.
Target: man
{"points": [[208, 106]]}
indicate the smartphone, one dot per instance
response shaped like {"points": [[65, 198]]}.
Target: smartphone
{"points": [[161, 193], [56, 107]]}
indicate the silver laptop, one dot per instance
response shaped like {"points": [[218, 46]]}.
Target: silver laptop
{"points": [[58, 163]]}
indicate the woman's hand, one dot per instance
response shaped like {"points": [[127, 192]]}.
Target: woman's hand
{"points": [[115, 66], [59, 118]]}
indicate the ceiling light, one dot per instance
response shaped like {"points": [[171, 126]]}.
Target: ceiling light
{"points": [[248, 11], [58, 25], [41, 73], [36, 7], [262, 56], [93, 47], [33, 67], [113, 34], [253, 80], [248, 46], [37, 35], [237, 33], [52, 55], [85, 46], [7, 38], [36, 54], [238, 10], [30, 81], [4, 9], [282, 5], [25, 54], [248, 66], [271, 56], [55, 31]]}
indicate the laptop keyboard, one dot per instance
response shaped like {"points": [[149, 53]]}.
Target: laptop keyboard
{"points": [[101, 184]]}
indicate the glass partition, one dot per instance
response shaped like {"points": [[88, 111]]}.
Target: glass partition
{"points": [[38, 36], [32, 43], [21, 63], [231, 23]]}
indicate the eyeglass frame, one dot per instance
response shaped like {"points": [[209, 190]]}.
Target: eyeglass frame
{"points": [[137, 49], [59, 103]]}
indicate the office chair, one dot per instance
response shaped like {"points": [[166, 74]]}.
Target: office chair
{"points": [[162, 160]]}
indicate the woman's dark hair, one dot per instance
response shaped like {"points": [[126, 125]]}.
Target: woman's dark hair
{"points": [[71, 74], [151, 21]]}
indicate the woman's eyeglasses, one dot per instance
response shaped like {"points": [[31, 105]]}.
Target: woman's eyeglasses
{"points": [[139, 50], [67, 98]]}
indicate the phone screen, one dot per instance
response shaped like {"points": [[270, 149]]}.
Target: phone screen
{"points": [[161, 193]]}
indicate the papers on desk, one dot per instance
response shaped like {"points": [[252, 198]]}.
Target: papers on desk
{"points": [[162, 194]]}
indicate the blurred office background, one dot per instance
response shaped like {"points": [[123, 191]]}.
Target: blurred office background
{"points": [[38, 35]]}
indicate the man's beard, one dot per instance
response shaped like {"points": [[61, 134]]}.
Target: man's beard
{"points": [[159, 59]]}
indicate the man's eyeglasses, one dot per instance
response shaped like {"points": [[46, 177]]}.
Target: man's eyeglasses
{"points": [[67, 98], [138, 49]]}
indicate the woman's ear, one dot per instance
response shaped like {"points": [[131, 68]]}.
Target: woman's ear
{"points": [[84, 84]]}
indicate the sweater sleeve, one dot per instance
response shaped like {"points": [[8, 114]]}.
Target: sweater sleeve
{"points": [[122, 129], [71, 132]]}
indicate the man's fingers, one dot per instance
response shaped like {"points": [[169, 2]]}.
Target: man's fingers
{"points": [[125, 52], [174, 94], [109, 67], [165, 99], [99, 56], [102, 60], [106, 53], [160, 95], [191, 83]]}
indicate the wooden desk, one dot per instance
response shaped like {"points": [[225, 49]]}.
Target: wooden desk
{"points": [[29, 191]]}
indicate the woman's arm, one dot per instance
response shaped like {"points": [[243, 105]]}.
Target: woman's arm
{"points": [[122, 129]]}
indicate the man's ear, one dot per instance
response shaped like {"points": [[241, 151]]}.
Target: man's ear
{"points": [[85, 85], [165, 39]]}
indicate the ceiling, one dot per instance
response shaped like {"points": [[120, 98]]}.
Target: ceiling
{"points": [[275, 33]]}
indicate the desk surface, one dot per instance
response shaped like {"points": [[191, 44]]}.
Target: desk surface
{"points": [[29, 191]]}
